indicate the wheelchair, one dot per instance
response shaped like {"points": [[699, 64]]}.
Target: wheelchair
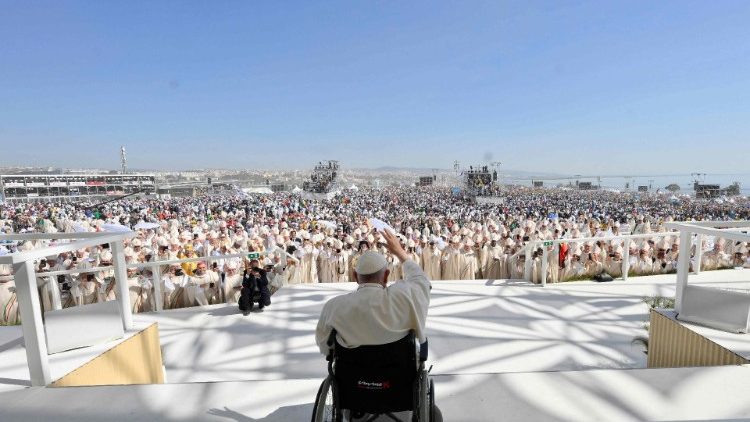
{"points": [[369, 382]]}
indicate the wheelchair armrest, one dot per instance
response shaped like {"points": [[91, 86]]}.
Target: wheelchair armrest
{"points": [[330, 343], [331, 338], [423, 349]]}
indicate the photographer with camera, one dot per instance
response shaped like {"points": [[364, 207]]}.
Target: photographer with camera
{"points": [[254, 288]]}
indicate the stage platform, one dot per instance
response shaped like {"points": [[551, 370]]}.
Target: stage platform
{"points": [[562, 352]]}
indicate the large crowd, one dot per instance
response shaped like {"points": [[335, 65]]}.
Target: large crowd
{"points": [[310, 241]]}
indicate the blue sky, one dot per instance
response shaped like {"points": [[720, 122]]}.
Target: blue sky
{"points": [[571, 87]]}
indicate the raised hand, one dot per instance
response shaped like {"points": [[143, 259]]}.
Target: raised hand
{"points": [[394, 245]]}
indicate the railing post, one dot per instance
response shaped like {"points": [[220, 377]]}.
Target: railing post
{"points": [[121, 278], [683, 267], [31, 323], [545, 258], [626, 259], [158, 297], [527, 264], [698, 253]]}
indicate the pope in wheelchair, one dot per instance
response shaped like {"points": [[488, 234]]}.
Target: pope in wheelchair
{"points": [[375, 344]]}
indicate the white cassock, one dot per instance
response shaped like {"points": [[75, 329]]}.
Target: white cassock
{"points": [[49, 287], [293, 273], [643, 266], [340, 267], [393, 267], [452, 263], [309, 267], [414, 256], [232, 286], [431, 262], [494, 268], [353, 264], [174, 290], [84, 291], [593, 268], [139, 289], [8, 302], [536, 269], [614, 267], [199, 289], [324, 268], [515, 267], [470, 266], [553, 267], [572, 269]]}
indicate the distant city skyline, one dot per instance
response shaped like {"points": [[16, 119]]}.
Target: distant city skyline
{"points": [[551, 87]]}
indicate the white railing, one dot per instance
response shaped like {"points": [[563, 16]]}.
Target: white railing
{"points": [[733, 230], [24, 275], [156, 267], [155, 270], [531, 246], [729, 230]]}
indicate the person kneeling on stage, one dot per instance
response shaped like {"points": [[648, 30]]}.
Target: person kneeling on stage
{"points": [[254, 288]]}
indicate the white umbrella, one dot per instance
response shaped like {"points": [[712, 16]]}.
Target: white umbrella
{"points": [[115, 228], [142, 225], [326, 223]]}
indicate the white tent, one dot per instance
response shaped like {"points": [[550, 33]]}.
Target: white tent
{"points": [[142, 225], [353, 187], [262, 190], [296, 189]]}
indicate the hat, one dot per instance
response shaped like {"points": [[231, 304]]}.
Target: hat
{"points": [[370, 262]]}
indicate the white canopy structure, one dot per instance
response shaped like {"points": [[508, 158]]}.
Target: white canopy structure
{"points": [[261, 190], [353, 187], [296, 189]]}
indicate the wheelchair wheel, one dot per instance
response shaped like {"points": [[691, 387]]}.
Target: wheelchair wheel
{"points": [[324, 409], [423, 411], [432, 401]]}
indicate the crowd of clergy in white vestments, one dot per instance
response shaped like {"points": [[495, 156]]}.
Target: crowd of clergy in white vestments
{"points": [[320, 240]]}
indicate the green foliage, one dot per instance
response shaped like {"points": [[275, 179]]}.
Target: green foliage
{"points": [[660, 302], [652, 302]]}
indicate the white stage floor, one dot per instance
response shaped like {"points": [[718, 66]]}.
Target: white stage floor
{"points": [[481, 333]]}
